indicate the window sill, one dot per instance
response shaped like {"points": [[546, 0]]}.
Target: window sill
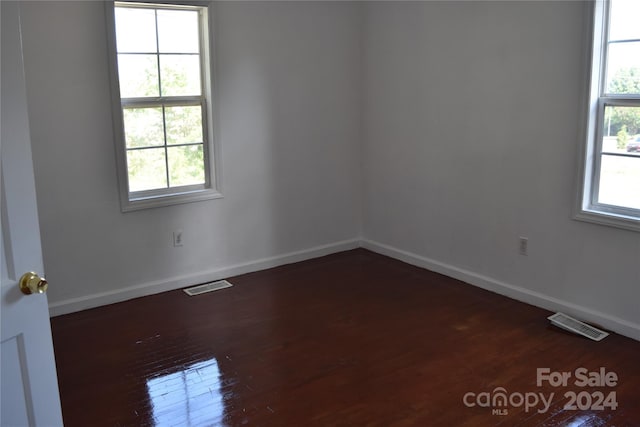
{"points": [[609, 219], [169, 200]]}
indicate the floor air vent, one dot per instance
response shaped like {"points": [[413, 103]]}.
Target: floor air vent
{"points": [[207, 287], [568, 323]]}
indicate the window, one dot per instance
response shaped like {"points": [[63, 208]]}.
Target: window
{"points": [[163, 119], [611, 176]]}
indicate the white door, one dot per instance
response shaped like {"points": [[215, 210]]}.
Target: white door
{"points": [[28, 371]]}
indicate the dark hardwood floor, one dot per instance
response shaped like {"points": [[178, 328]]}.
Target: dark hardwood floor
{"points": [[351, 339]]}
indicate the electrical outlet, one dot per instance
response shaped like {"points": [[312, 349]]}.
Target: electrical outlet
{"points": [[177, 238], [524, 246]]}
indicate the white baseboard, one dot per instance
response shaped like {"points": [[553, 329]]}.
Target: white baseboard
{"points": [[613, 323], [537, 299], [118, 295]]}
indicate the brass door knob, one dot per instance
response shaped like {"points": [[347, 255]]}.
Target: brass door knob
{"points": [[31, 283]]}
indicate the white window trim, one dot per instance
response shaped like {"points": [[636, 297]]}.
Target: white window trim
{"points": [[213, 169], [589, 165]]}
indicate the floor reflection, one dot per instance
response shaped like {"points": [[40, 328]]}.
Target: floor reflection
{"points": [[586, 420], [189, 397]]}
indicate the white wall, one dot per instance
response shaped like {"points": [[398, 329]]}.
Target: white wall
{"points": [[463, 117], [289, 94], [472, 120]]}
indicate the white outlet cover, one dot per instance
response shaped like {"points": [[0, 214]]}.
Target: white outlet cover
{"points": [[524, 245], [177, 238]]}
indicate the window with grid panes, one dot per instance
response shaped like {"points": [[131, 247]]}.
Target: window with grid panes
{"points": [[163, 79], [611, 179]]}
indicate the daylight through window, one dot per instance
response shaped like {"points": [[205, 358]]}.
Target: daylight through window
{"points": [[612, 174], [162, 75]]}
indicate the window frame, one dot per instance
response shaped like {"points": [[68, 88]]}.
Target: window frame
{"points": [[211, 189], [587, 206]]}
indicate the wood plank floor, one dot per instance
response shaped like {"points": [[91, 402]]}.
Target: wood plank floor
{"points": [[351, 339]]}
